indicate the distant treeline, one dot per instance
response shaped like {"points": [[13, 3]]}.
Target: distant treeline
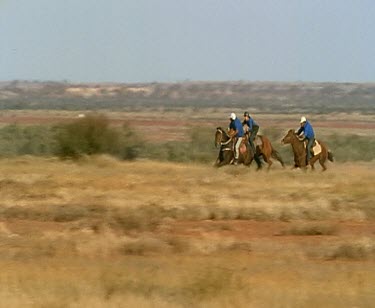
{"points": [[270, 97], [93, 135]]}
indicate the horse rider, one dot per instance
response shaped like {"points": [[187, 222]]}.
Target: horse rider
{"points": [[309, 135], [236, 130], [252, 130]]}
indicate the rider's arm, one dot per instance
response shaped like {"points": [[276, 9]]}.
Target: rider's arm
{"points": [[250, 124], [233, 133], [301, 129]]}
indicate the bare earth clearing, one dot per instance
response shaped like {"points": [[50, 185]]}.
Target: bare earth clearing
{"points": [[105, 233]]}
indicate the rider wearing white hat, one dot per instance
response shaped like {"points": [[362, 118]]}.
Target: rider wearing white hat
{"points": [[236, 126], [309, 134]]}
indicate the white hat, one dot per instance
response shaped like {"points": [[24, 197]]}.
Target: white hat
{"points": [[303, 119], [233, 116]]}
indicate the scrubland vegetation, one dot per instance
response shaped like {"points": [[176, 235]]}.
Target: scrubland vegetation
{"points": [[102, 232], [113, 209], [94, 134]]}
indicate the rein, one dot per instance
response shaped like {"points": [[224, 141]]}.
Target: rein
{"points": [[224, 143], [227, 142]]}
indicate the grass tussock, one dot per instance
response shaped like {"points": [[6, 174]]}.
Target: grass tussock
{"points": [[311, 229], [361, 249], [140, 195]]}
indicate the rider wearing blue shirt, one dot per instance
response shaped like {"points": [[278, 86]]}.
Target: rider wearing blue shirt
{"points": [[309, 134], [253, 128], [237, 131]]}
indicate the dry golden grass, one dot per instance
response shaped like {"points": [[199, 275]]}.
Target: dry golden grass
{"points": [[105, 233]]}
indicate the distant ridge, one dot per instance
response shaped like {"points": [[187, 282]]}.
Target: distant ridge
{"points": [[285, 97]]}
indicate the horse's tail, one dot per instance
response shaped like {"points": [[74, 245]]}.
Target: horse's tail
{"points": [[330, 156], [277, 156]]}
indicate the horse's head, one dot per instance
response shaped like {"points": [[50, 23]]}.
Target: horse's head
{"points": [[289, 137], [220, 136]]}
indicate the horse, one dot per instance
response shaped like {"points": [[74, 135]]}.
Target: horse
{"points": [[265, 150], [226, 154], [320, 150]]}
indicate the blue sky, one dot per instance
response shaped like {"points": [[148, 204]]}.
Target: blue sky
{"points": [[176, 40]]}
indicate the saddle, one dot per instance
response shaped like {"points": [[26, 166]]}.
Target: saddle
{"points": [[258, 141], [315, 149]]}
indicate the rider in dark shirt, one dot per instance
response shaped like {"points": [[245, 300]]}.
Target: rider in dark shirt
{"points": [[252, 130]]}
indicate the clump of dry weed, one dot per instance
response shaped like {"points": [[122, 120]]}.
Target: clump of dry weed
{"points": [[315, 228]]}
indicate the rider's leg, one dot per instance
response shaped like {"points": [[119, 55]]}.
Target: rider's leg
{"points": [[237, 148], [308, 149], [251, 140]]}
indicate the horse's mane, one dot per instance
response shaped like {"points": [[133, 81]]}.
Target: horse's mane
{"points": [[293, 132]]}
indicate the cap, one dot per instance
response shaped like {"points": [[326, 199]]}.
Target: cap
{"points": [[303, 119], [233, 116], [246, 114]]}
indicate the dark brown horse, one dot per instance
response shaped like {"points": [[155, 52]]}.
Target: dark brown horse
{"points": [[321, 151], [263, 149], [226, 154]]}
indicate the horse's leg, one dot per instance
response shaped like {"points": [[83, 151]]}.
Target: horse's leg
{"points": [[277, 156], [247, 160], [267, 160], [322, 160], [258, 153], [313, 160], [269, 163], [248, 156], [229, 158]]}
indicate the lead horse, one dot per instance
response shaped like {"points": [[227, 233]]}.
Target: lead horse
{"points": [[226, 153], [320, 149], [263, 148]]}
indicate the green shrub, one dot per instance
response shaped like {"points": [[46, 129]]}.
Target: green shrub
{"points": [[26, 140], [352, 147], [93, 135], [200, 148]]}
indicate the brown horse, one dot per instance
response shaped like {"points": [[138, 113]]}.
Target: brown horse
{"points": [[226, 154], [265, 149], [321, 151]]}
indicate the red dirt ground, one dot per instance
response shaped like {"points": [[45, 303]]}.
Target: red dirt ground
{"points": [[243, 230], [249, 229]]}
